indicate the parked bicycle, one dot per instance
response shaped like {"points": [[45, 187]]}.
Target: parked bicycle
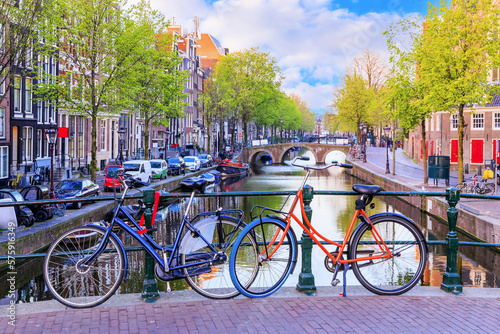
{"points": [[476, 186], [356, 153], [85, 266], [59, 208], [387, 251]]}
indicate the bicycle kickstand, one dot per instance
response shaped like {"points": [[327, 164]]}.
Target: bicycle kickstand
{"points": [[346, 268]]}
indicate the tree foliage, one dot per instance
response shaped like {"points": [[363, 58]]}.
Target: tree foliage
{"points": [[459, 47], [154, 85], [98, 46], [247, 80], [22, 24], [352, 102]]}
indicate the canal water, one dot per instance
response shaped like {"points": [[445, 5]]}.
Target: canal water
{"points": [[331, 216]]}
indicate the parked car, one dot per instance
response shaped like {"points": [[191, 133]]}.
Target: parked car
{"points": [[206, 160], [41, 212], [8, 218], [176, 166], [110, 181], [159, 168], [76, 189], [192, 163], [139, 169], [24, 215]]}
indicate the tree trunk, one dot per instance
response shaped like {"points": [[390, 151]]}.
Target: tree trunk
{"points": [[146, 138], [93, 149], [424, 152], [461, 122]]}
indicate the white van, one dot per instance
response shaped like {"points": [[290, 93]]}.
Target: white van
{"points": [[139, 169]]}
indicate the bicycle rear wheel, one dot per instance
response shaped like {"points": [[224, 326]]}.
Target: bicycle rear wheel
{"points": [[79, 286], [274, 263], [400, 272], [212, 281], [489, 188]]}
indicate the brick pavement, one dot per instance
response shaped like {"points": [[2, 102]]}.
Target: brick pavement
{"points": [[320, 314]]}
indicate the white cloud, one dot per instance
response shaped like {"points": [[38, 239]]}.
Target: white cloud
{"points": [[311, 43]]}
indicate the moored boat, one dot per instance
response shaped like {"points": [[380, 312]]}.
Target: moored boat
{"points": [[209, 177], [193, 182], [229, 168]]}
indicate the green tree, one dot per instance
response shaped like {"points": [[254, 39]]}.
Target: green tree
{"points": [[22, 25], [406, 93], [308, 120], [99, 43], [247, 80], [352, 102], [458, 48], [154, 84]]}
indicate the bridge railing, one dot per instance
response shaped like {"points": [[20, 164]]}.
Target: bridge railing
{"points": [[451, 277]]}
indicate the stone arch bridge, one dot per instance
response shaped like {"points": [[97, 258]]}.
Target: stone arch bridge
{"points": [[277, 151]]}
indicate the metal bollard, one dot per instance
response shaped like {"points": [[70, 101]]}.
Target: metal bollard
{"points": [[150, 286], [451, 278], [306, 278]]}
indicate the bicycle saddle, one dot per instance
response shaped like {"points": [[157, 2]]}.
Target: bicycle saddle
{"points": [[365, 190]]}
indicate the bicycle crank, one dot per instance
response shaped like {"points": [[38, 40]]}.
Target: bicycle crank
{"points": [[330, 266]]}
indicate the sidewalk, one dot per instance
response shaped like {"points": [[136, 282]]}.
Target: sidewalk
{"points": [[422, 310], [411, 173]]}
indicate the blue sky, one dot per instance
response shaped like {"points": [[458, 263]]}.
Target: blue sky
{"points": [[313, 41]]}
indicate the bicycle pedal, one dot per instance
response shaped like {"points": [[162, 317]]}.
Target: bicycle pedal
{"points": [[335, 282]]}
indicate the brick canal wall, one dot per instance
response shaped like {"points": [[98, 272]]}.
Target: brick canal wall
{"points": [[478, 226]]}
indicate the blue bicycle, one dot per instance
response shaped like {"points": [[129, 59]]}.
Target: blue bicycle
{"points": [[85, 266]]}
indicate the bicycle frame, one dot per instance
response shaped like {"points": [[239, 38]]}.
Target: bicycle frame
{"points": [[312, 233], [172, 262]]}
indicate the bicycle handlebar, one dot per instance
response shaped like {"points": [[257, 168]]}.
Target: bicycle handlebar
{"points": [[334, 163]]}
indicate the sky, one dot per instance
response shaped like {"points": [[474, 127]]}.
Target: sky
{"points": [[313, 41]]}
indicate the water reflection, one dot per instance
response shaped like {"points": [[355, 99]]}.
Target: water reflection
{"points": [[478, 266]]}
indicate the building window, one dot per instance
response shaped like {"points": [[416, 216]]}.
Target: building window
{"points": [[17, 94], [4, 162], [46, 111], [454, 121], [496, 120], [39, 112], [2, 122], [27, 96], [39, 143], [478, 121], [28, 143], [103, 135], [71, 139], [2, 85], [53, 111]]}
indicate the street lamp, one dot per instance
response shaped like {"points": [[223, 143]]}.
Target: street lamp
{"points": [[365, 133], [387, 130], [281, 131], [51, 135], [121, 132]]}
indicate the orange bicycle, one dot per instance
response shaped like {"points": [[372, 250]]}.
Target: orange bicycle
{"points": [[386, 251]]}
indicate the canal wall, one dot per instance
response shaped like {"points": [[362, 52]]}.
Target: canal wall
{"points": [[42, 234], [471, 221]]}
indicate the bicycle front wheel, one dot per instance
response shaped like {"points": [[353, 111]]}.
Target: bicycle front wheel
{"points": [[274, 262], [403, 269], [212, 281], [77, 285]]}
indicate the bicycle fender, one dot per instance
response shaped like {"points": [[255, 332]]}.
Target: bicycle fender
{"points": [[294, 238], [122, 249]]}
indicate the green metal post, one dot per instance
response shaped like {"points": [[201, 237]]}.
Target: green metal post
{"points": [[150, 286], [306, 278], [451, 278]]}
